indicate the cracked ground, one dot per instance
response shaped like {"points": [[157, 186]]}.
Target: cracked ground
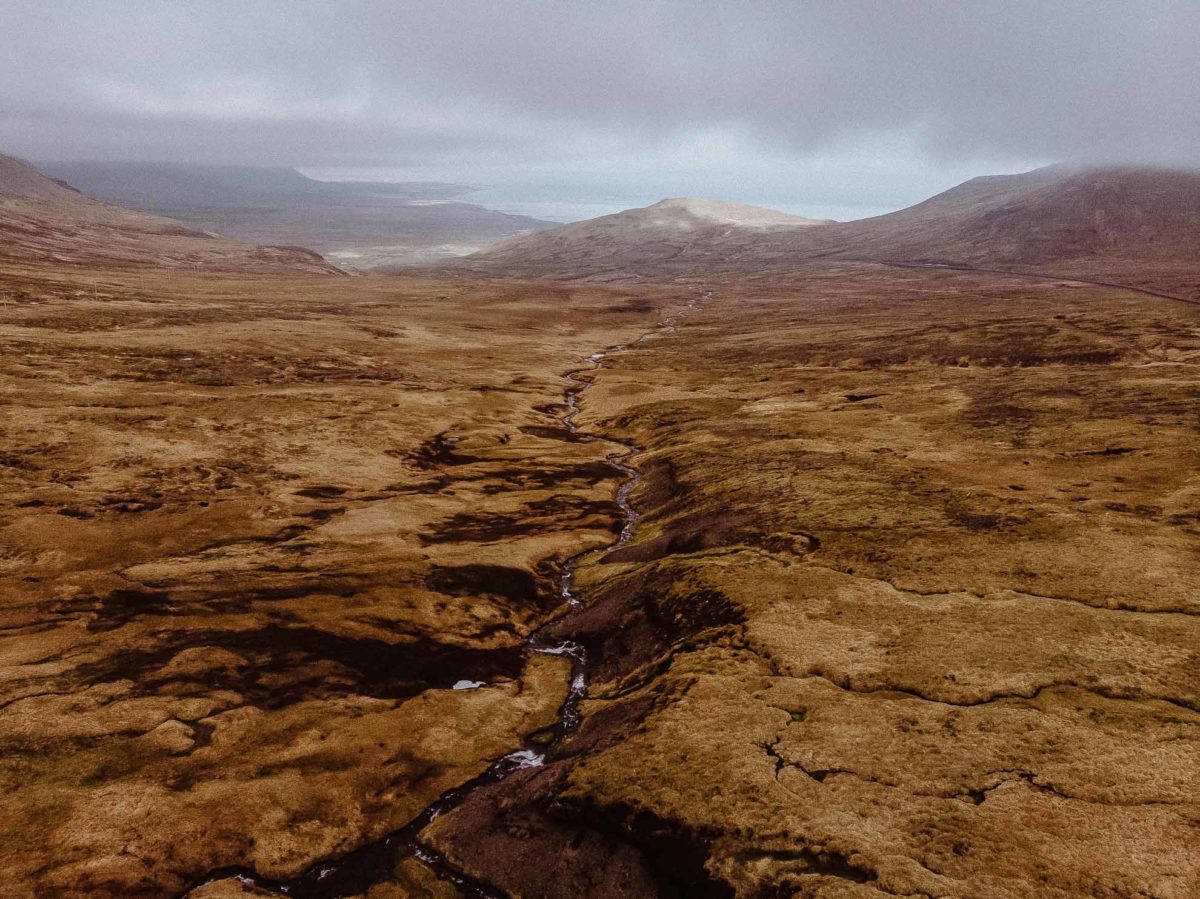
{"points": [[910, 608]]}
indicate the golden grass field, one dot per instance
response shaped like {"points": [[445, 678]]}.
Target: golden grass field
{"points": [[910, 609]]}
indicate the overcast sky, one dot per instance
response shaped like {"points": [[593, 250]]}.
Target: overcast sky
{"points": [[840, 107]]}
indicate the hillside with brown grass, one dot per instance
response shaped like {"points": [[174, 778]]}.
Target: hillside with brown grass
{"points": [[1138, 226], [46, 221]]}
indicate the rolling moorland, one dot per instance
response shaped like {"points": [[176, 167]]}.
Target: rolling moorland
{"points": [[802, 559]]}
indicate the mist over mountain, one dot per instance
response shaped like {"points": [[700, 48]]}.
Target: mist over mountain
{"points": [[819, 104], [45, 221], [359, 224]]}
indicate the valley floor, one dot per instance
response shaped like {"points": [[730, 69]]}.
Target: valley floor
{"points": [[909, 609]]}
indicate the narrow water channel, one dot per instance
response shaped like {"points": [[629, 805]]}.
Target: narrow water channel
{"points": [[357, 871]]}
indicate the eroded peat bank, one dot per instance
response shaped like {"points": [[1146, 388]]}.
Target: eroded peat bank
{"points": [[307, 582]]}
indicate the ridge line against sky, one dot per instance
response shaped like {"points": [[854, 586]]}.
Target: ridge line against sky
{"points": [[825, 108]]}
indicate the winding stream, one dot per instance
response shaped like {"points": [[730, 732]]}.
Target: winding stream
{"points": [[358, 871]]}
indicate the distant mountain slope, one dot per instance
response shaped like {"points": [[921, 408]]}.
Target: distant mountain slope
{"points": [[360, 224], [197, 184], [1136, 226], [1048, 215], [44, 221], [691, 212], [19, 180], [669, 236]]}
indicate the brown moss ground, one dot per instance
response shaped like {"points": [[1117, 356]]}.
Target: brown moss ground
{"points": [[912, 609], [252, 532]]}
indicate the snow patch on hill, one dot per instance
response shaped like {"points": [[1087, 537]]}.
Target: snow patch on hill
{"points": [[724, 212]]}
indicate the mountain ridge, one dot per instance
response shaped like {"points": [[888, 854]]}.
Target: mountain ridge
{"points": [[361, 224], [45, 220], [647, 237], [1141, 224]]}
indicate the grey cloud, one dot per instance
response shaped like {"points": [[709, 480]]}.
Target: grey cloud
{"points": [[519, 83]]}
